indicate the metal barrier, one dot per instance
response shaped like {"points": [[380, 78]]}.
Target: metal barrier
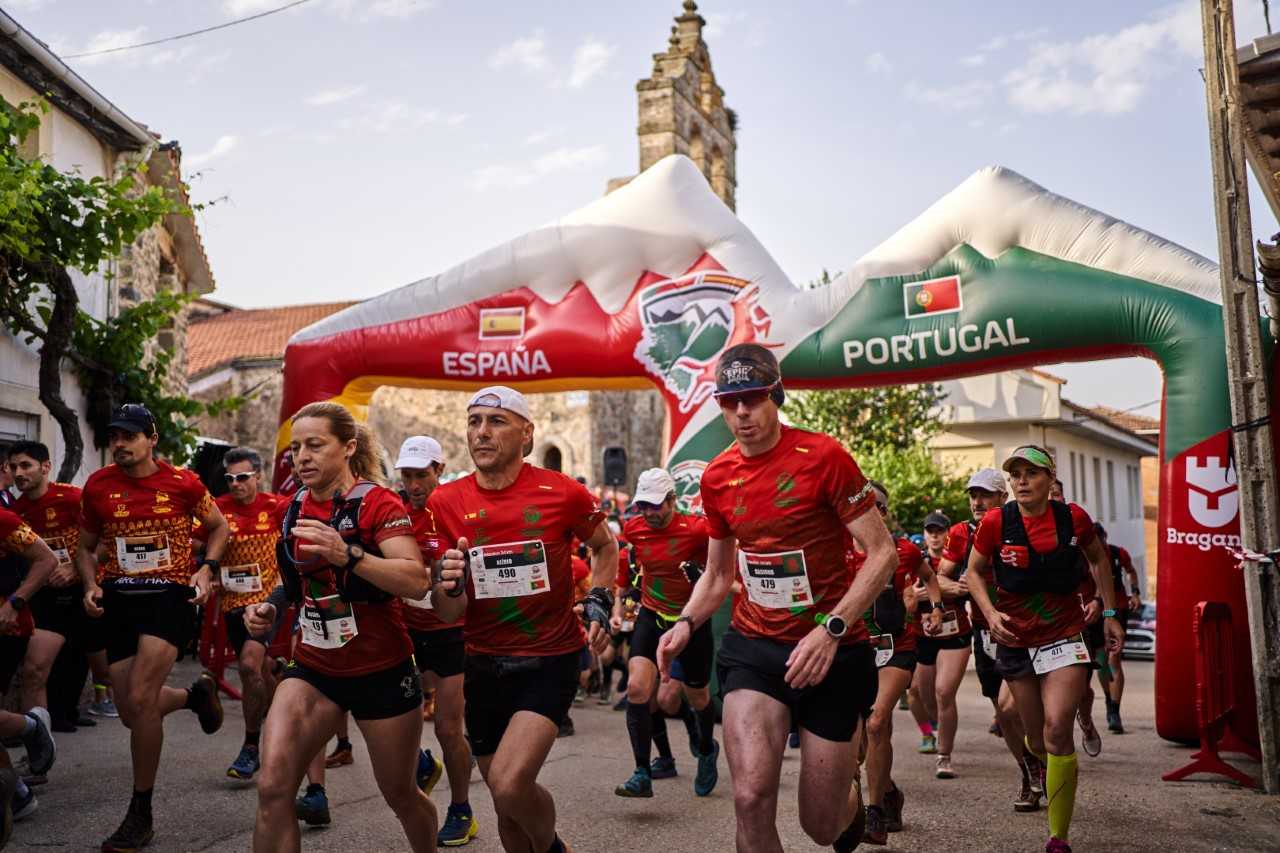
{"points": [[1215, 698], [216, 653]]}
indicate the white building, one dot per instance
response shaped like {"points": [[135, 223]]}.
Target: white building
{"points": [[1099, 460]]}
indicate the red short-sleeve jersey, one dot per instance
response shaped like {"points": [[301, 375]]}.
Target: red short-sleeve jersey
{"points": [[381, 640], [16, 536], [421, 616], [904, 575], [520, 540], [788, 507], [1041, 617], [146, 521], [255, 530], [55, 517], [664, 587]]}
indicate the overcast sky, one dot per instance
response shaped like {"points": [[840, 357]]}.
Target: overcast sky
{"points": [[358, 145]]}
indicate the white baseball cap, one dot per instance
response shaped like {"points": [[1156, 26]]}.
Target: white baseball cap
{"points": [[502, 397], [419, 451], [988, 479], [653, 486]]}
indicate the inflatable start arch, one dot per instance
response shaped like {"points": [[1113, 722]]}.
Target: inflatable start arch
{"points": [[645, 287]]}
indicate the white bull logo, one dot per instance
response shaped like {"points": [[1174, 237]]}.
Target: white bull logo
{"points": [[1213, 495]]}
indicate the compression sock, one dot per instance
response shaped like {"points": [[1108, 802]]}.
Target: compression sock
{"points": [[706, 720], [141, 802], [660, 739], [640, 725], [1060, 788], [926, 728], [251, 739]]}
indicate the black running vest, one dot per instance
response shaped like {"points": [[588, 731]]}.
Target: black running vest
{"points": [[346, 520], [1059, 571]]}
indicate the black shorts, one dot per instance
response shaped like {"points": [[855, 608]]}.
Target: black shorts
{"points": [[830, 709], [986, 667], [59, 609], [443, 652], [377, 695], [496, 688], [903, 660], [12, 652], [1016, 663], [165, 612], [238, 633], [927, 648], [695, 660]]}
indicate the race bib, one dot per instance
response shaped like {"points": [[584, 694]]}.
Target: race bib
{"points": [[242, 579], [775, 581], [1072, 650], [628, 625], [58, 545], [328, 622], [423, 603], [509, 569], [988, 644], [950, 624], [883, 644], [143, 554]]}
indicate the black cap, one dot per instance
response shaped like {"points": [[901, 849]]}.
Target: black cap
{"points": [[937, 519], [133, 417], [1099, 530], [746, 367]]}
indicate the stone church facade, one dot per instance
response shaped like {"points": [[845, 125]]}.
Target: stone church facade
{"points": [[681, 110]]}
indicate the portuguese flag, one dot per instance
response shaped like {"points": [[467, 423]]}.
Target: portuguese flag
{"points": [[936, 296]]}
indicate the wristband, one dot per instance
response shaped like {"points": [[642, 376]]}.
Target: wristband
{"points": [[1109, 613], [688, 620], [214, 566], [938, 605]]}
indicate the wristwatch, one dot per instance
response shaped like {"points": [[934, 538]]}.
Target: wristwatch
{"points": [[688, 619], [1109, 613], [836, 626], [354, 555], [214, 566], [938, 605], [18, 603]]}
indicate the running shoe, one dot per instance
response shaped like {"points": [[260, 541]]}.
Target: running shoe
{"points": [[566, 727], [134, 833], [1035, 767], [245, 765], [205, 703], [41, 749], [995, 729], [85, 722], [639, 785], [460, 826], [942, 769], [105, 708], [1057, 845], [928, 745], [313, 807], [852, 835], [1027, 799], [24, 806], [340, 757], [876, 833], [429, 770], [708, 774], [1113, 724], [8, 785], [606, 694], [662, 768], [904, 704], [793, 740], [621, 704], [580, 697], [1091, 740], [894, 800]]}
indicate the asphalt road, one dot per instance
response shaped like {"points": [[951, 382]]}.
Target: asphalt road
{"points": [[1123, 805]]}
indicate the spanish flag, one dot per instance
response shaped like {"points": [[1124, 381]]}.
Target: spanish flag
{"points": [[936, 296], [501, 323]]}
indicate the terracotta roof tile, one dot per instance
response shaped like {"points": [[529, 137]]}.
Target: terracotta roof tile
{"points": [[1127, 420], [249, 333]]}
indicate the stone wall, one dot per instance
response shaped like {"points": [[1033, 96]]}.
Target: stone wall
{"points": [[148, 267], [256, 422]]}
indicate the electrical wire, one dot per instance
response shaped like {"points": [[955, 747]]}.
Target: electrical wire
{"points": [[223, 26]]}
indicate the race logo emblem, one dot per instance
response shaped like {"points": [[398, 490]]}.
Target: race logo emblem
{"points": [[688, 477], [1213, 495], [737, 373], [687, 322]]}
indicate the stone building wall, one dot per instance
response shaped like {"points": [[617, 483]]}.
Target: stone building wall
{"points": [[256, 422], [148, 267]]}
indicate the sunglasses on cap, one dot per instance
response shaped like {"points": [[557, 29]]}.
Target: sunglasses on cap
{"points": [[242, 477], [750, 398]]}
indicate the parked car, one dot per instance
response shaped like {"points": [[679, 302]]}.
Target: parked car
{"points": [[1140, 634]]}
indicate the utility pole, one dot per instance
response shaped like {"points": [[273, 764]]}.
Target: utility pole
{"points": [[1246, 369]]}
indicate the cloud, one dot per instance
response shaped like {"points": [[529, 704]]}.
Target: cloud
{"points": [[718, 22], [240, 8], [589, 59], [508, 176], [396, 115], [878, 63], [398, 8], [528, 53], [112, 39], [26, 5], [364, 9], [325, 97], [954, 98], [569, 158], [974, 61], [225, 145], [540, 136]]}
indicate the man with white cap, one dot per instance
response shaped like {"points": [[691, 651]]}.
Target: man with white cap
{"points": [[438, 648], [512, 526], [987, 491], [671, 548]]}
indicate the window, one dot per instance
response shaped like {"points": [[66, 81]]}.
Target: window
{"points": [[552, 459], [1111, 490], [1135, 491], [1083, 497], [1097, 487]]}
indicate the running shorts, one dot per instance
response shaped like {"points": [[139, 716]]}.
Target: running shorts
{"points": [[443, 652], [1016, 663], [988, 678], [695, 660], [830, 709], [927, 648], [59, 609], [12, 652], [377, 695], [166, 613], [496, 688], [903, 660]]}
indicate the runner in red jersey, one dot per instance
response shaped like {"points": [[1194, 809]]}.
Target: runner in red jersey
{"points": [[1034, 546], [987, 491], [53, 511], [895, 634], [143, 511], [438, 648], [789, 499], [1124, 578], [671, 550], [513, 527], [249, 574]]}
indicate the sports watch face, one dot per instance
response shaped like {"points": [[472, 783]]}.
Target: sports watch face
{"points": [[355, 552], [836, 626]]}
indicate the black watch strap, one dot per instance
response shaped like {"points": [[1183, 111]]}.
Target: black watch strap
{"points": [[688, 620]]}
